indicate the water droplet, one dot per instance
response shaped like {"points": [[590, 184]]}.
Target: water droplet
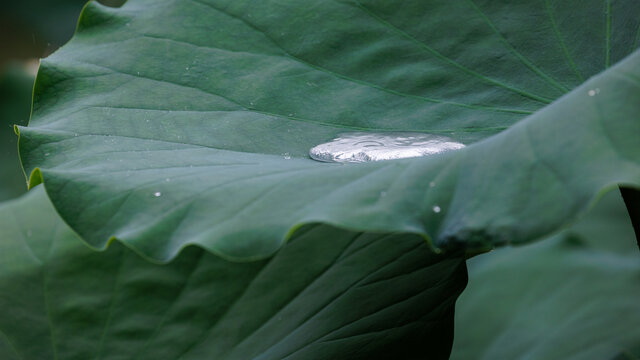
{"points": [[363, 146], [76, 134], [187, 68], [157, 194], [594, 92], [286, 156], [436, 209]]}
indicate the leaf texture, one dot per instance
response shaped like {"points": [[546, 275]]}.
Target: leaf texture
{"points": [[165, 124]]}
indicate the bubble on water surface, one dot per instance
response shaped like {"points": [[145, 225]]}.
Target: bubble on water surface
{"points": [[366, 146]]}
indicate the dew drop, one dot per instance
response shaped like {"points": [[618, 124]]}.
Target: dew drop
{"points": [[364, 146], [594, 92], [436, 209], [157, 194]]}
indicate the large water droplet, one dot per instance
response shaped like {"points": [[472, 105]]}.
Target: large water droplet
{"points": [[365, 146]]}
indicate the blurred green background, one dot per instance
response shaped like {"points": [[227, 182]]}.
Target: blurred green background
{"points": [[29, 30]]}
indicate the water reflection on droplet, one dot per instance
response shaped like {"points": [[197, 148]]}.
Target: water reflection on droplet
{"points": [[365, 146], [436, 209], [157, 194]]}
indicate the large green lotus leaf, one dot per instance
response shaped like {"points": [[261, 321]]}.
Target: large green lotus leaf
{"points": [[572, 297], [169, 123], [328, 294]]}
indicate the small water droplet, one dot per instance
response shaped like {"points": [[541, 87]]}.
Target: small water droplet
{"points": [[364, 146], [286, 156], [76, 134], [157, 194], [138, 73], [594, 92], [187, 68], [436, 209]]}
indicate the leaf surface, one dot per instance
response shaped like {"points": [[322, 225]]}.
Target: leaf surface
{"points": [[574, 296], [328, 294], [170, 123]]}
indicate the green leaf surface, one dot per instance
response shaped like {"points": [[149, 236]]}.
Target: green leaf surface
{"points": [[328, 294], [169, 123], [574, 296]]}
